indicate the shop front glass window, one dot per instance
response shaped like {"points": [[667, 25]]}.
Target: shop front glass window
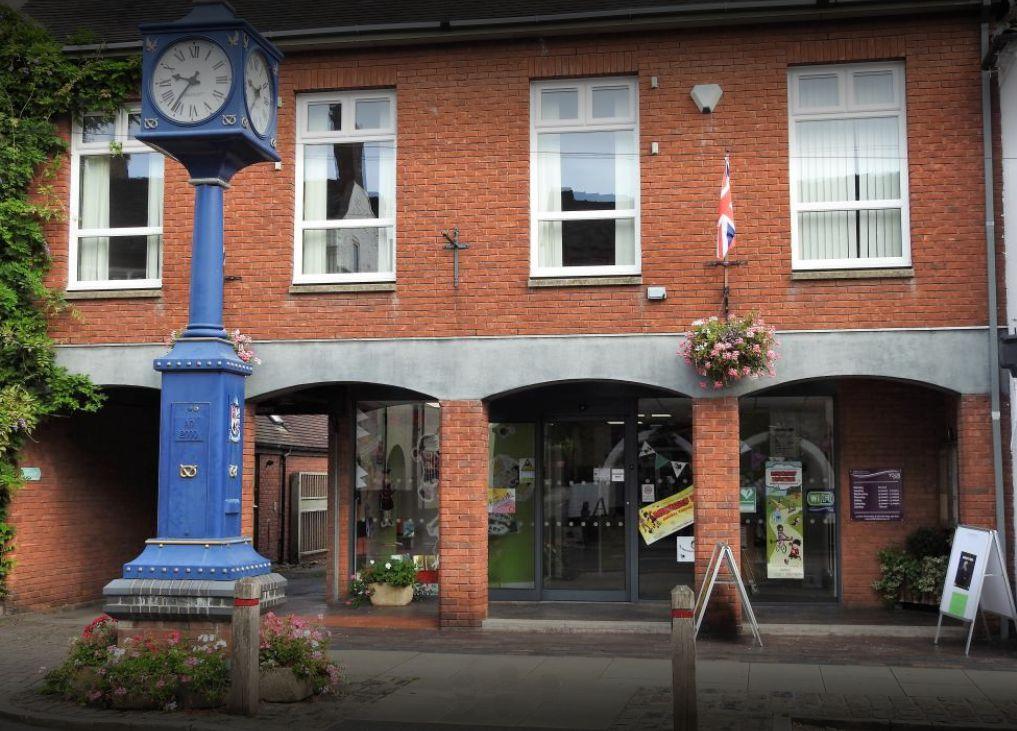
{"points": [[511, 521], [396, 482], [664, 470], [788, 498]]}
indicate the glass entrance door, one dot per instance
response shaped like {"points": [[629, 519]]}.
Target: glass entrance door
{"points": [[584, 510]]}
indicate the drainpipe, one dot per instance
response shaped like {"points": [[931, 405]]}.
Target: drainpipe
{"points": [[990, 267]]}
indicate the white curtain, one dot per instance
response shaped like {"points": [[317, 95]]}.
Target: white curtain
{"points": [[825, 152], [93, 251], [626, 178], [549, 233], [316, 165], [878, 156], [386, 202], [847, 161], [155, 195]]}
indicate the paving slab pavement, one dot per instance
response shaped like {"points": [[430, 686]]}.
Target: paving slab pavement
{"points": [[452, 680]]}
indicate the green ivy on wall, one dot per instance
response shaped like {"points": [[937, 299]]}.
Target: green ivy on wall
{"points": [[38, 84]]}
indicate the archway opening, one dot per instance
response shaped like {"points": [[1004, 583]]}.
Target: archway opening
{"points": [[571, 468]]}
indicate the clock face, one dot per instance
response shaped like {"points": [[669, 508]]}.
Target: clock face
{"points": [[258, 91], [191, 80]]}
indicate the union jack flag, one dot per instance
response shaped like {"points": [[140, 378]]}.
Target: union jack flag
{"points": [[725, 213]]}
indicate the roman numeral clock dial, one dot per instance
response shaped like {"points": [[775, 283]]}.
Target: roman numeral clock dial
{"points": [[191, 80], [258, 91]]}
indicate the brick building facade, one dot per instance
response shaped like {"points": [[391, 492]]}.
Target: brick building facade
{"points": [[433, 388]]}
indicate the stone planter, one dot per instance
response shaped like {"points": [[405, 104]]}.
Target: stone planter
{"points": [[134, 701], [82, 681], [384, 595], [194, 700], [281, 685]]}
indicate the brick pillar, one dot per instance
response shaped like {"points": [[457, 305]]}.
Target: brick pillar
{"points": [[247, 479], [976, 492], [339, 562], [715, 442], [462, 504]]}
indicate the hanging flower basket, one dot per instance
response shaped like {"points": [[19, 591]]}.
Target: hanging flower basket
{"points": [[241, 345], [725, 351]]}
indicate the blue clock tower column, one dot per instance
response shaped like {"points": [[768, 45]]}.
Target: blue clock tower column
{"points": [[188, 570]]}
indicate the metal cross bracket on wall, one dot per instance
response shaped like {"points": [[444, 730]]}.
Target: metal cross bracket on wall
{"points": [[456, 246]]}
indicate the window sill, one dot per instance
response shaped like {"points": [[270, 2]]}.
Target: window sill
{"points": [[889, 273], [342, 287], [111, 294], [634, 279]]}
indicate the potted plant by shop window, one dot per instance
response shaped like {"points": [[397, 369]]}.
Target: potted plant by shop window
{"points": [[390, 583]]}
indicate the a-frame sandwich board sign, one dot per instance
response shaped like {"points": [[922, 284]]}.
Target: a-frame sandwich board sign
{"points": [[976, 580], [722, 555]]}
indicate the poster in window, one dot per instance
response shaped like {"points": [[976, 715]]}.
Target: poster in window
{"points": [[785, 540]]}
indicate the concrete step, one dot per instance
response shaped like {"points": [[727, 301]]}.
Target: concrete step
{"points": [[496, 624]]}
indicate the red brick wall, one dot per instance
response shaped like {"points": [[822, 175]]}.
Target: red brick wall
{"points": [[270, 506], [341, 448], [715, 465], [974, 447], [274, 499], [93, 508], [883, 425], [463, 158], [462, 504]]}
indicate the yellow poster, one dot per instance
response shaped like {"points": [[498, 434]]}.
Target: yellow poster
{"points": [[666, 516]]}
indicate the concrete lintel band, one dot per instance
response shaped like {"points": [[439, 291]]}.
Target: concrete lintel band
{"points": [[480, 367]]}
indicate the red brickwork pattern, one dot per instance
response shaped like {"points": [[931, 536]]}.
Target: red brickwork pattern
{"points": [[885, 425], [473, 169], [715, 466], [341, 447], [462, 504], [974, 454], [247, 495], [93, 508], [268, 515], [273, 513]]}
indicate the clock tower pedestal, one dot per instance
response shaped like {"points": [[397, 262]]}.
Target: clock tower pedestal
{"points": [[184, 577]]}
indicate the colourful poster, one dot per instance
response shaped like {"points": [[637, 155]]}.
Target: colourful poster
{"points": [[666, 516], [785, 549], [501, 500]]}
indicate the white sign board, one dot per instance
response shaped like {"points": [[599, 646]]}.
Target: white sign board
{"points": [[975, 578]]}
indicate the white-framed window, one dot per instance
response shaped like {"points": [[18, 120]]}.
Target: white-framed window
{"points": [[584, 177], [115, 206], [345, 192], [849, 169]]}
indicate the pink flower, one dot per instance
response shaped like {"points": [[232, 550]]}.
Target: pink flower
{"points": [[191, 662], [733, 372], [718, 384], [703, 384], [95, 695], [120, 691]]}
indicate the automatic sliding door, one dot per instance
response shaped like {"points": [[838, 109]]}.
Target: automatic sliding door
{"points": [[584, 509]]}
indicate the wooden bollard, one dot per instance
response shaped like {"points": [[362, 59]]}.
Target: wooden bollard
{"points": [[244, 677], [683, 659]]}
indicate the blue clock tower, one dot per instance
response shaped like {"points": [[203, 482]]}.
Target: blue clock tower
{"points": [[209, 100]]}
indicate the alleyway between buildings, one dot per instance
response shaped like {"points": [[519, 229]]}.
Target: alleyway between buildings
{"points": [[425, 679]]}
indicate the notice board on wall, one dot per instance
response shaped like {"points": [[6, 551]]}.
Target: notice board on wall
{"points": [[877, 495]]}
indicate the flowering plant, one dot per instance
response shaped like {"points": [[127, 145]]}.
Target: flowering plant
{"points": [[358, 593], [724, 351], [241, 345], [394, 573], [291, 642], [140, 672]]}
